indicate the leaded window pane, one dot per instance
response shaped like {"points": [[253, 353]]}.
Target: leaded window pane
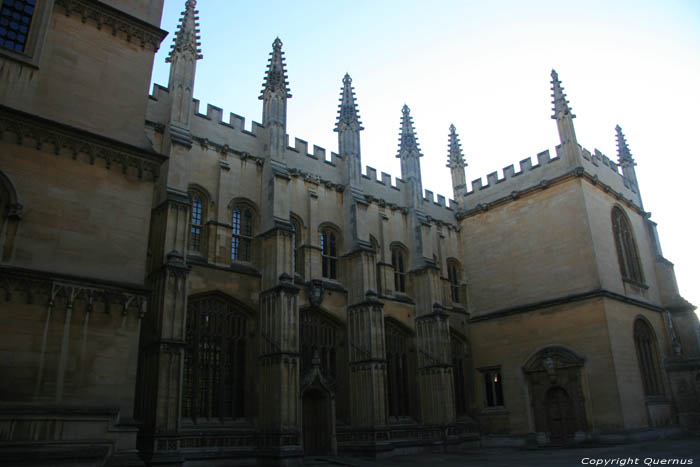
{"points": [[214, 367], [15, 20]]}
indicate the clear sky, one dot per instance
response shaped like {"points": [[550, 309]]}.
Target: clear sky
{"points": [[483, 66]]}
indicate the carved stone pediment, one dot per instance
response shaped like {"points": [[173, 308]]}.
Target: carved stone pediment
{"points": [[550, 359]]}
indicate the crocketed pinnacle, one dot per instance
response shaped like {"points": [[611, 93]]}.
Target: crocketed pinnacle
{"points": [[561, 105], [276, 76], [187, 38], [408, 141], [347, 110], [455, 157], [624, 156]]}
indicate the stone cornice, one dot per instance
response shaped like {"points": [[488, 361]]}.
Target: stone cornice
{"points": [[115, 20], [597, 293], [578, 172], [31, 283], [59, 136]]}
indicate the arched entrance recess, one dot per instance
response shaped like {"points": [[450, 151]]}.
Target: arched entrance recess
{"points": [[554, 380], [318, 412]]}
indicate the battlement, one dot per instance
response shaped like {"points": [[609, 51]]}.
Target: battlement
{"points": [[598, 165], [530, 174], [608, 172], [313, 164]]}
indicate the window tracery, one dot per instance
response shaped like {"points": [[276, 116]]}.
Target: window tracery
{"points": [[215, 360], [645, 344], [398, 262], [397, 370], [241, 233], [329, 254], [627, 253]]}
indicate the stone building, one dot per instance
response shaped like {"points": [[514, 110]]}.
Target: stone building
{"points": [[178, 290]]}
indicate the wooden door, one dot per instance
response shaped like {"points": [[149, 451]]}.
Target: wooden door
{"points": [[316, 419], [561, 420]]}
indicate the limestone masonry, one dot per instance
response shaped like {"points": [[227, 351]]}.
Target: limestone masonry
{"points": [[179, 291]]}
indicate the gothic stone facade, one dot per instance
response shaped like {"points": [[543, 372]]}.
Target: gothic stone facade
{"points": [[178, 290]]}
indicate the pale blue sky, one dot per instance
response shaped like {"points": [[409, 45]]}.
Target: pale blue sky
{"points": [[483, 66]]}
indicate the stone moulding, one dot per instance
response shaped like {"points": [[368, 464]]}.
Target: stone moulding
{"points": [[32, 283], [60, 136], [116, 20]]}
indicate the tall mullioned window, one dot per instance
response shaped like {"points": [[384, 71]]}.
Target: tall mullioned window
{"points": [[196, 224], [398, 262], [397, 370], [215, 360], [329, 254], [453, 277], [645, 344], [15, 21], [627, 253], [242, 234]]}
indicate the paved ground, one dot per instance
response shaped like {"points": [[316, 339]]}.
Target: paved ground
{"points": [[653, 453]]}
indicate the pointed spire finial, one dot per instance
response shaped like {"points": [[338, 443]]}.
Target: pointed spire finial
{"points": [[347, 110], [455, 157], [408, 141], [276, 75], [624, 156], [186, 37], [561, 105]]}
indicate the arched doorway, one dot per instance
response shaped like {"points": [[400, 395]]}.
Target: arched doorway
{"points": [[556, 395], [316, 407], [560, 415], [318, 412]]}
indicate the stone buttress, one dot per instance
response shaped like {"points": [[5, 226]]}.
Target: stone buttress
{"points": [[163, 334], [279, 419], [435, 376], [365, 313]]}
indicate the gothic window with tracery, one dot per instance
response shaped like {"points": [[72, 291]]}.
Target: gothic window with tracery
{"points": [[453, 277], [329, 254], [459, 361], [196, 223], [645, 343], [242, 233], [319, 335], [398, 262], [627, 253], [215, 360], [397, 341]]}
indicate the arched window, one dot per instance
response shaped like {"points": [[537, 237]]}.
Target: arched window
{"points": [[242, 233], [319, 334], [297, 265], [398, 262], [397, 369], [459, 361], [627, 254], [215, 360], [196, 223], [645, 343], [454, 278], [329, 254]]}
